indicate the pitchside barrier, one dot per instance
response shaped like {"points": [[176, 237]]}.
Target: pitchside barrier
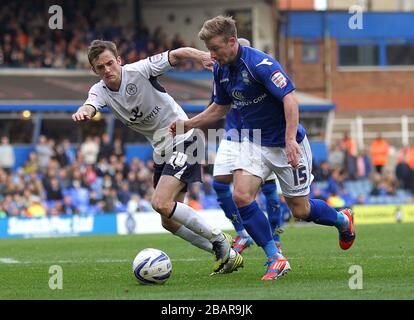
{"points": [[141, 223]]}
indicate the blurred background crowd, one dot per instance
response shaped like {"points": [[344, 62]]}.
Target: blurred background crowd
{"points": [[27, 41], [94, 178]]}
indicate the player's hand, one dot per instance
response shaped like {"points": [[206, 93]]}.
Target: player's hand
{"points": [[293, 152], [178, 127], [206, 61], [81, 116]]}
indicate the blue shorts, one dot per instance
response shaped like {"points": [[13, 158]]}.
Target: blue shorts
{"points": [[185, 171]]}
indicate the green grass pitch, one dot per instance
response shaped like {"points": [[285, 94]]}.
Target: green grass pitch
{"points": [[99, 267]]}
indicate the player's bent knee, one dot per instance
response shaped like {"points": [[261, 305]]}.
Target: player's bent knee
{"points": [[300, 212], [242, 199], [162, 207]]}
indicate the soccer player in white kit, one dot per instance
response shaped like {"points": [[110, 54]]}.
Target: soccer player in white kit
{"points": [[134, 95]]}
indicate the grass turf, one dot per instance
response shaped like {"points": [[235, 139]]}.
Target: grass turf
{"points": [[99, 267]]}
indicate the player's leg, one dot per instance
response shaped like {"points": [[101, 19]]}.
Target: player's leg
{"points": [[225, 199], [183, 232], [319, 212], [295, 184], [246, 186], [179, 170], [274, 213], [227, 154]]}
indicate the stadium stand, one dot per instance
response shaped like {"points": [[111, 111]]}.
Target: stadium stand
{"points": [[26, 41]]}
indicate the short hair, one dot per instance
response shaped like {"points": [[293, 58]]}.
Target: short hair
{"points": [[218, 26], [98, 46]]}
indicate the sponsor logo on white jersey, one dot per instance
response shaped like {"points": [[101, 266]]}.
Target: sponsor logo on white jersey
{"points": [[155, 58], [279, 79]]}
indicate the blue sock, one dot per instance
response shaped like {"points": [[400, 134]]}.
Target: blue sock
{"points": [[256, 224], [274, 213], [322, 213], [225, 200]]}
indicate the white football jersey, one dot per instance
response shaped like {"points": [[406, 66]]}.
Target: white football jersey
{"points": [[142, 103]]}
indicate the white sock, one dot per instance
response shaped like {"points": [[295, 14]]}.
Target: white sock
{"points": [[188, 217], [196, 240]]}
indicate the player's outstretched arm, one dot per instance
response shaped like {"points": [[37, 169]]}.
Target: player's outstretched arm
{"points": [[176, 56], [291, 107], [84, 113], [212, 114]]}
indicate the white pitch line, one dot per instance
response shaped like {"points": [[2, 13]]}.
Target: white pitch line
{"points": [[8, 260]]}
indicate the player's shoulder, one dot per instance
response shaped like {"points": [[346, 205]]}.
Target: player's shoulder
{"points": [[254, 58], [135, 66], [98, 87]]}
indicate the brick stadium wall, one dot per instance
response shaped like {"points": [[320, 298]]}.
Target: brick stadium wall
{"points": [[352, 90]]}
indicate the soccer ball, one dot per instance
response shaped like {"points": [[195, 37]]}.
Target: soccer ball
{"points": [[152, 266]]}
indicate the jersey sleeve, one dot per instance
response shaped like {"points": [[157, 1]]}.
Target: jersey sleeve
{"points": [[220, 95], [96, 98], [274, 78], [153, 66]]}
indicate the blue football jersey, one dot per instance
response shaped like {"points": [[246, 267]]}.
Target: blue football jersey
{"points": [[233, 124], [255, 84]]}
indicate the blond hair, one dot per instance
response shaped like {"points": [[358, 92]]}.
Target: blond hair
{"points": [[218, 26]]}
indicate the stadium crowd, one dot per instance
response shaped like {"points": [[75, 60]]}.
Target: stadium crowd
{"points": [[27, 41], [95, 178]]}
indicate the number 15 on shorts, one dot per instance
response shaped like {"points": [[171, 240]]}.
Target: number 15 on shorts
{"points": [[299, 175]]}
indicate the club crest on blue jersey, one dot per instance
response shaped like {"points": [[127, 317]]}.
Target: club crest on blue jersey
{"points": [[245, 77]]}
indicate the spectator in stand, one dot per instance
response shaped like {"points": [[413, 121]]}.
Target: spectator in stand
{"points": [[106, 148], [336, 201], [379, 151], [193, 202], [7, 158], [54, 191], [124, 195], [404, 170], [36, 209], [69, 151], [336, 180], [68, 208], [44, 153], [317, 194], [89, 150], [3, 212], [363, 165], [348, 145], [32, 164], [391, 183], [119, 148], [379, 188], [323, 171], [336, 157]]}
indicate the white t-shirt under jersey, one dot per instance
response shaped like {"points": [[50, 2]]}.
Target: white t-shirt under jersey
{"points": [[141, 103]]}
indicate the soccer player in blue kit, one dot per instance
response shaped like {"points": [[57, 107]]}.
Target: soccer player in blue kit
{"points": [[266, 102], [227, 154]]}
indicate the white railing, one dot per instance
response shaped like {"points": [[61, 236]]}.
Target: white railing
{"points": [[359, 132]]}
